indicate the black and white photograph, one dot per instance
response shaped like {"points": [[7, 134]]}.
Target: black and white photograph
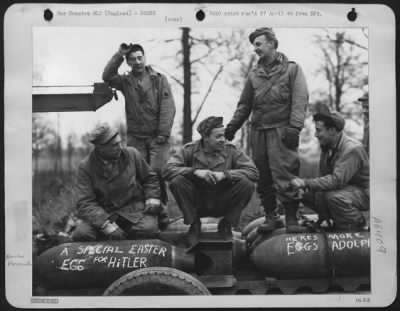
{"points": [[212, 160]]}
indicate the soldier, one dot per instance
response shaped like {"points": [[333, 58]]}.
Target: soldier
{"points": [[149, 106], [276, 96], [117, 191], [342, 190], [210, 177]]}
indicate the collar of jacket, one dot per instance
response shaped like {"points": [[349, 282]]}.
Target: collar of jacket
{"points": [[280, 63], [332, 153], [200, 155], [97, 164]]}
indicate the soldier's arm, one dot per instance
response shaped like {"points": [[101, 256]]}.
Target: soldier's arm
{"points": [[243, 166], [167, 108], [176, 166], [243, 108], [299, 98], [345, 169], [110, 73], [88, 207]]}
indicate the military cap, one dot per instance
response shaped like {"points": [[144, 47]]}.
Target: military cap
{"points": [[207, 125], [335, 117], [102, 134], [268, 32]]}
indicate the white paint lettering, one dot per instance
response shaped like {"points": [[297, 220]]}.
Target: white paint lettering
{"points": [[65, 264], [81, 250], [133, 249], [108, 250], [162, 251], [72, 265], [65, 250], [143, 262], [290, 248], [111, 262]]}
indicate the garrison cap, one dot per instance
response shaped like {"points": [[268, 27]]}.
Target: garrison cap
{"points": [[207, 125], [335, 117], [102, 134], [268, 32]]}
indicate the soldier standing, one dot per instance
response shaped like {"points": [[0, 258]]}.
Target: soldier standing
{"points": [[149, 106], [276, 95]]}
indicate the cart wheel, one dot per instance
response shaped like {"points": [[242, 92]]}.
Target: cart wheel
{"points": [[156, 281]]}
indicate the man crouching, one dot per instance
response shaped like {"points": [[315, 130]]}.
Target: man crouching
{"points": [[211, 178], [341, 192], [117, 191]]}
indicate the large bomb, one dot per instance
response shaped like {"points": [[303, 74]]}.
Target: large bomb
{"points": [[98, 264], [314, 255]]}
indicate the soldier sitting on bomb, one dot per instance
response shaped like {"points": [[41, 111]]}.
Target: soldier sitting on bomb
{"points": [[210, 177]]}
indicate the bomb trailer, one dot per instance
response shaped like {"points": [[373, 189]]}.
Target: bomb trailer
{"points": [[248, 262]]}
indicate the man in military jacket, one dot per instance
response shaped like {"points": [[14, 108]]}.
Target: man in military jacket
{"points": [[117, 191], [210, 177], [342, 190], [276, 96], [149, 106]]}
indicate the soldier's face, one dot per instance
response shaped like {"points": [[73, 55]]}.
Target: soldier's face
{"points": [[111, 150], [263, 47], [216, 140], [324, 135], [136, 61]]}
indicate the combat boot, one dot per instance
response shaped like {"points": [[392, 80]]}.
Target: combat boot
{"points": [[225, 228], [269, 224], [193, 235], [292, 225], [269, 203]]}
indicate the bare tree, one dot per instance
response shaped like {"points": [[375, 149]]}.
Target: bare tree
{"points": [[213, 57], [187, 86], [342, 66]]}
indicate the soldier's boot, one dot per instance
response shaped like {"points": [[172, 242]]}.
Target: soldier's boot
{"points": [[269, 225], [292, 225], [272, 221], [193, 235], [225, 228]]}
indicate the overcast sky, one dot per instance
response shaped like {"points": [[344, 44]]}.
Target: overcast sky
{"points": [[77, 56]]}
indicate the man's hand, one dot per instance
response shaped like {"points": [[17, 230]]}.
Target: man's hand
{"points": [[207, 175], [219, 176], [123, 49], [152, 206], [161, 139], [229, 133], [297, 183], [290, 137]]}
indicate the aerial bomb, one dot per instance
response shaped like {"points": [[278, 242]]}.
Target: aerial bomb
{"points": [[97, 264], [314, 255]]}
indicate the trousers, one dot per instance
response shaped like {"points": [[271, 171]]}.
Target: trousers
{"points": [[195, 200], [147, 226], [156, 155], [343, 206], [277, 165]]}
